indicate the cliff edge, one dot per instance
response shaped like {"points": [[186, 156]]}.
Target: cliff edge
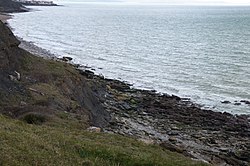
{"points": [[30, 84], [8, 6]]}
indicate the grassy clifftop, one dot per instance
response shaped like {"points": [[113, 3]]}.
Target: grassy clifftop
{"points": [[25, 144]]}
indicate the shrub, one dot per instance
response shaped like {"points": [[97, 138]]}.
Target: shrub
{"points": [[34, 119]]}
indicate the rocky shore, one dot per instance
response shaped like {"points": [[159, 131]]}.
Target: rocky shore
{"points": [[30, 85], [34, 49], [178, 125], [173, 122]]}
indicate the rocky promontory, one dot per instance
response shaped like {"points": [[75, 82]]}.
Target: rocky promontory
{"points": [[42, 91], [9, 6]]}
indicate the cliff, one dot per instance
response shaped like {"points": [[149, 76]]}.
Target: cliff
{"points": [[44, 85], [9, 6]]}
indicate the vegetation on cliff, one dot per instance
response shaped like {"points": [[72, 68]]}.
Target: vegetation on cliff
{"points": [[25, 144]]}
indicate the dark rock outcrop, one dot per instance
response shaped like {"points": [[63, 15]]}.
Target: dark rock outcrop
{"points": [[9, 6], [7, 38], [46, 86]]}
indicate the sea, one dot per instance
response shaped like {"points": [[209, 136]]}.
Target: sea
{"points": [[196, 52]]}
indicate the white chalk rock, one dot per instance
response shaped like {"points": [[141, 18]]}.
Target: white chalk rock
{"points": [[94, 129]]}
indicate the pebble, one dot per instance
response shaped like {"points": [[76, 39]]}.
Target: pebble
{"points": [[172, 139]]}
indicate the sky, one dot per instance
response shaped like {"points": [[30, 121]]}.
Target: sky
{"points": [[193, 1], [208, 2]]}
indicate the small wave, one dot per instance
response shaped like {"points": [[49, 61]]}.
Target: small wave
{"points": [[168, 50]]}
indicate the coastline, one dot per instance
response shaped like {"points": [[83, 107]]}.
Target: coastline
{"points": [[170, 121], [188, 129], [204, 92], [26, 45], [34, 49], [5, 17]]}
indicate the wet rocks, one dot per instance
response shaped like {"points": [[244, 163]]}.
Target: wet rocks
{"points": [[66, 59], [245, 101], [236, 102], [243, 155], [173, 133], [177, 125], [172, 139], [87, 73], [172, 147], [225, 102]]}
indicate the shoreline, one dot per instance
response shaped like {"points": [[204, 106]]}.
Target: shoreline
{"points": [[41, 52], [209, 99], [29, 46], [187, 129], [34, 49], [176, 124], [4, 17]]}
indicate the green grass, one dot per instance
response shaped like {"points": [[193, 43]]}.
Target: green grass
{"points": [[46, 134], [27, 144], [39, 66]]}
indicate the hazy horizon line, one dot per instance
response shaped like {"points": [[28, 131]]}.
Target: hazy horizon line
{"points": [[157, 3]]}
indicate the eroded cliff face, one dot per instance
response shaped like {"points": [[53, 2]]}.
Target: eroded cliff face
{"points": [[9, 6], [10, 56], [8, 46], [7, 37], [48, 88]]}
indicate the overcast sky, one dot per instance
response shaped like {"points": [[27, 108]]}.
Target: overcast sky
{"points": [[193, 1], [209, 2]]}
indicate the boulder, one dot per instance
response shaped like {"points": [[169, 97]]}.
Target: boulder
{"points": [[225, 102], [172, 147], [94, 129], [66, 58], [147, 141], [245, 101]]}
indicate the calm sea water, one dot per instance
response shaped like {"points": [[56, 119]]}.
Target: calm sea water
{"points": [[197, 52]]}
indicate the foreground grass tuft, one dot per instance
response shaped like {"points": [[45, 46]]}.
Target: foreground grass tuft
{"points": [[27, 144], [34, 119]]}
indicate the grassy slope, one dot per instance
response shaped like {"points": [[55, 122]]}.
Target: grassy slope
{"points": [[25, 144], [61, 139]]}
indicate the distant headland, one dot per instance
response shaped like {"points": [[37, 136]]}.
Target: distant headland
{"points": [[36, 3]]}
